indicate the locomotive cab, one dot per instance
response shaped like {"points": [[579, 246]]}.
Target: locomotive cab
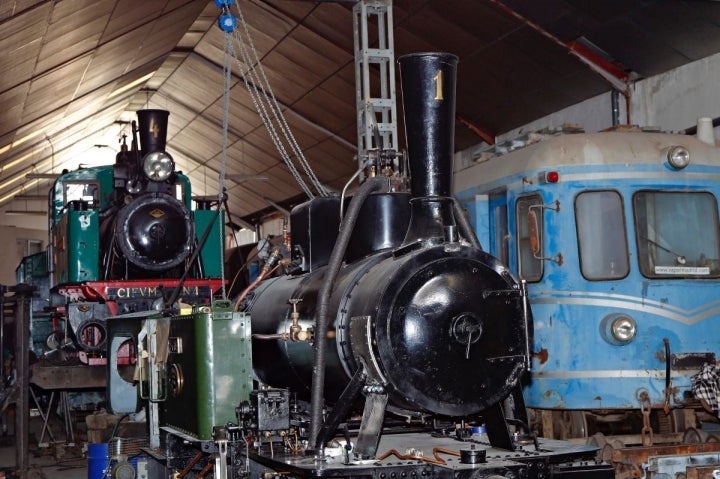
{"points": [[617, 235], [75, 209]]}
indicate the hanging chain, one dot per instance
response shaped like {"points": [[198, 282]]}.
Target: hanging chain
{"points": [[261, 108], [262, 96], [668, 393], [645, 409], [227, 76], [265, 91]]}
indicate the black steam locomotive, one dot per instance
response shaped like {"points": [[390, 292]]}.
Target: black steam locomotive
{"points": [[123, 238], [393, 348], [413, 310]]}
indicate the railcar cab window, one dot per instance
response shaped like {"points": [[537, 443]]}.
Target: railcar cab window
{"points": [[81, 194], [602, 236], [529, 224], [677, 234], [499, 227]]}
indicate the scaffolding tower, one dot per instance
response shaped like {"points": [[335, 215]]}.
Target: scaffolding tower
{"points": [[375, 91]]}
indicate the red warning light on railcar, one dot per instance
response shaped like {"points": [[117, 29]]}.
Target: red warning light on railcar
{"points": [[549, 177]]}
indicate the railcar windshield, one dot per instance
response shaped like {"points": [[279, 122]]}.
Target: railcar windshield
{"points": [[82, 191], [677, 234], [602, 238]]}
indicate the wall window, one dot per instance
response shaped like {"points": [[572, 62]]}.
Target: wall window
{"points": [[677, 234], [27, 247], [602, 236], [530, 267]]}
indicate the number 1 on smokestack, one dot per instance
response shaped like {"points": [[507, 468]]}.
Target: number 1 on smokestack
{"points": [[438, 85]]}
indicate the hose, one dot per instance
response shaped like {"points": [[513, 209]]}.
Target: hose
{"points": [[116, 427], [261, 277], [336, 258]]}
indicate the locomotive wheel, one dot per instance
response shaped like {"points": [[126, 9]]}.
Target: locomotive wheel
{"points": [[569, 424]]}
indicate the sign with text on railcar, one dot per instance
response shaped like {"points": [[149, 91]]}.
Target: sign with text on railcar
{"points": [[139, 289], [155, 292], [703, 270]]}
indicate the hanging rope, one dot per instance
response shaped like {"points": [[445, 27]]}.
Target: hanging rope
{"points": [[263, 98]]}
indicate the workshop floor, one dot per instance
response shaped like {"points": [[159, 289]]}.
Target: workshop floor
{"points": [[54, 460]]}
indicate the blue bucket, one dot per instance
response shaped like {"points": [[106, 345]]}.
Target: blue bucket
{"points": [[98, 460]]}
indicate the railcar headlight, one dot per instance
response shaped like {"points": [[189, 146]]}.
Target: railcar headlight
{"points": [[158, 166], [618, 329], [623, 329], [678, 157]]}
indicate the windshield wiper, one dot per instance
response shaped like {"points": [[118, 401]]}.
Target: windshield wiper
{"points": [[678, 257]]}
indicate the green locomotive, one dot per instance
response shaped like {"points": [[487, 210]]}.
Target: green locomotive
{"points": [[126, 238]]}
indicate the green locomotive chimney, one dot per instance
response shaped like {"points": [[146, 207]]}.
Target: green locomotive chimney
{"points": [[152, 128]]}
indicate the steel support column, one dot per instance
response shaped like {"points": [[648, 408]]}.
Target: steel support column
{"points": [[23, 294]]}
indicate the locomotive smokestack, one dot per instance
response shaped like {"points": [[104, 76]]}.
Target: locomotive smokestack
{"points": [[152, 127], [428, 95]]}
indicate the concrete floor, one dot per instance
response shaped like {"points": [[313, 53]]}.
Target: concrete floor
{"points": [[57, 461], [58, 458]]}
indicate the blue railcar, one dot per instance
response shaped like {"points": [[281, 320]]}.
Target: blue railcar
{"points": [[616, 234]]}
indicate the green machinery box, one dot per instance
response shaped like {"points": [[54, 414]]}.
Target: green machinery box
{"points": [[209, 370]]}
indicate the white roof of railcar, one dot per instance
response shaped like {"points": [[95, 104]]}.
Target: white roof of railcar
{"points": [[577, 149]]}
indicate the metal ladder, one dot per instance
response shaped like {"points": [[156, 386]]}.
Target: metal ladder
{"points": [[375, 80]]}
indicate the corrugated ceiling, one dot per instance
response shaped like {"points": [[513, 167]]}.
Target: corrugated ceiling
{"points": [[75, 71]]}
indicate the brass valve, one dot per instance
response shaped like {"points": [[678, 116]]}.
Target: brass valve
{"points": [[296, 332]]}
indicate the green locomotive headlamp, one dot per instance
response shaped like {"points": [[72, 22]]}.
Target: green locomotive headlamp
{"points": [[158, 166]]}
